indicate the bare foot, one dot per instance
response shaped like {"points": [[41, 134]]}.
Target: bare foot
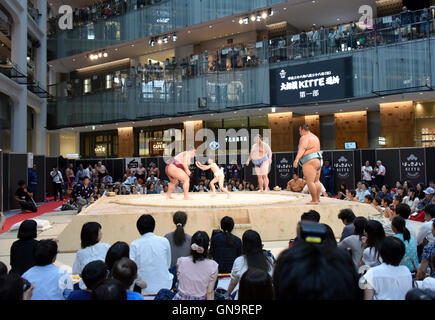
{"points": [[313, 202], [171, 197], [188, 198], [213, 195]]}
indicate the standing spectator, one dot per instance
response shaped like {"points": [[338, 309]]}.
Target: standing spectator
{"points": [[308, 272], [32, 180], [406, 20], [57, 181], [125, 270], [225, 247], [141, 173], [296, 184], [410, 258], [93, 274], [70, 178], [196, 274], [354, 242], [178, 239], [424, 235], [390, 280], [92, 249], [80, 174], [152, 255], [101, 170], [380, 173], [22, 250], [256, 284], [347, 217], [47, 277], [252, 256], [374, 235], [327, 173], [24, 198], [154, 170], [366, 173]]}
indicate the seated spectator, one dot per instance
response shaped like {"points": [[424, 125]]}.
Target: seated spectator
{"points": [[347, 217], [424, 235], [389, 280], [225, 247], [385, 192], [22, 250], [400, 230], [296, 184], [311, 216], [420, 294], [377, 202], [386, 204], [256, 284], [308, 272], [152, 255], [125, 270], [253, 257], [110, 289], [342, 191], [124, 190], [322, 193], [354, 242], [93, 274], [178, 239], [428, 192], [402, 210], [92, 249], [251, 187], [364, 192], [351, 195], [131, 179], [133, 190], [15, 288], [47, 277], [151, 189], [83, 194], [117, 251], [152, 178], [107, 178], [196, 274], [3, 269], [426, 258], [368, 199], [374, 235], [25, 198]]}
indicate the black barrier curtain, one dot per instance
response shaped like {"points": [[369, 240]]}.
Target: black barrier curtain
{"points": [[6, 185], [412, 165], [282, 166], [343, 164], [50, 163], [17, 161], [391, 161], [430, 164], [1, 182], [39, 161]]}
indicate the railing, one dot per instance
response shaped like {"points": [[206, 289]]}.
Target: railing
{"points": [[34, 13]]}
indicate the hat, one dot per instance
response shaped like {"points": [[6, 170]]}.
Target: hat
{"points": [[429, 190], [394, 190]]}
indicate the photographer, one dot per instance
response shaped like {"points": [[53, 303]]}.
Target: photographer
{"points": [[82, 194], [57, 181], [24, 198]]}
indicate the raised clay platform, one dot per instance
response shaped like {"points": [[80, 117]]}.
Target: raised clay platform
{"points": [[274, 215]]}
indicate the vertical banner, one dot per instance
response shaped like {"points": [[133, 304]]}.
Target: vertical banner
{"points": [[391, 161], [412, 165], [118, 169], [343, 164], [283, 166], [40, 172], [18, 165]]}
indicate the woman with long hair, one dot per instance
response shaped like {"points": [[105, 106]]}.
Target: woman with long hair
{"points": [[398, 225], [256, 284], [225, 247], [196, 273], [22, 250], [354, 242], [374, 235], [178, 239], [419, 189], [253, 257], [411, 199]]}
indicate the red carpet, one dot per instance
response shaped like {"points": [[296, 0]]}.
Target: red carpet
{"points": [[46, 207]]}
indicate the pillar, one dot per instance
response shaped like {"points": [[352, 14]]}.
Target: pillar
{"points": [[281, 125]]}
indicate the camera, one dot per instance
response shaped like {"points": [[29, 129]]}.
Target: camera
{"points": [[26, 285], [313, 232]]}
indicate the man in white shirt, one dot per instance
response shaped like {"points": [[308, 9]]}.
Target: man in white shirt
{"points": [[323, 192], [364, 191], [366, 173], [389, 280], [131, 179], [425, 231], [358, 190], [152, 255], [152, 179], [57, 181], [380, 174], [88, 171], [50, 281]]}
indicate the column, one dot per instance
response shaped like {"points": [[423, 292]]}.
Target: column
{"points": [[18, 57], [281, 125]]}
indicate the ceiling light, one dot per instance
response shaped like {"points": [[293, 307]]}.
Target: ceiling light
{"points": [[159, 41], [74, 60], [100, 55], [285, 8], [93, 127], [264, 15], [132, 45], [165, 39], [252, 18], [273, 109], [210, 27], [258, 17], [233, 20], [246, 20], [188, 31], [174, 37], [105, 54], [240, 21], [116, 49]]}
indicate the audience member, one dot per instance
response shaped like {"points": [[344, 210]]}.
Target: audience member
{"points": [[374, 235], [426, 258], [420, 295], [196, 274], [410, 259], [347, 217], [256, 284], [110, 289], [25, 198], [424, 235], [296, 184], [308, 272], [50, 281], [14, 288], [22, 250], [225, 247], [93, 274], [354, 242], [402, 210], [389, 280], [152, 255], [3, 269], [252, 257], [125, 270]]}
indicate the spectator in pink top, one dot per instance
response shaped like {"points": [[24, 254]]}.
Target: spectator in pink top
{"points": [[196, 274]]}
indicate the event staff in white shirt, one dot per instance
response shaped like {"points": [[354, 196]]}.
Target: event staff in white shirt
{"points": [[152, 255], [366, 173], [380, 174], [57, 181]]}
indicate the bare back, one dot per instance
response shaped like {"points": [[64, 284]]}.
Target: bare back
{"points": [[258, 152], [312, 143]]}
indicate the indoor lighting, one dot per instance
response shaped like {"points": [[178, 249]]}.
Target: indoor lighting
{"points": [[246, 20], [258, 17], [174, 37], [240, 21], [273, 109], [159, 41], [252, 18], [165, 39], [264, 15], [105, 55]]}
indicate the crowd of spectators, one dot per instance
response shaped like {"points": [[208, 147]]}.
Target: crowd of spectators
{"points": [[366, 263]]}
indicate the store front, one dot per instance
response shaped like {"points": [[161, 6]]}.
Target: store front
{"points": [[149, 141], [425, 124], [101, 144]]}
